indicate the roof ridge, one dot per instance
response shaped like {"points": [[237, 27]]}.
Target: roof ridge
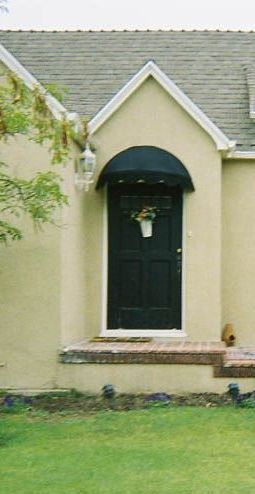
{"points": [[245, 31]]}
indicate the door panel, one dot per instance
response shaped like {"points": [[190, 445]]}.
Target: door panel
{"points": [[144, 280], [130, 286], [159, 296]]}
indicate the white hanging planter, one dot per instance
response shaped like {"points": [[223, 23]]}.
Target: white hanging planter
{"points": [[146, 228]]}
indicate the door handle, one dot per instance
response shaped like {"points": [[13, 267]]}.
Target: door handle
{"points": [[179, 260]]}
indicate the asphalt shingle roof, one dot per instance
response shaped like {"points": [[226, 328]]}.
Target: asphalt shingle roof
{"points": [[213, 68]]}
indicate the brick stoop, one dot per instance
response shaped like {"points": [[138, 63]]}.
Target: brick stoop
{"points": [[119, 352], [238, 362]]}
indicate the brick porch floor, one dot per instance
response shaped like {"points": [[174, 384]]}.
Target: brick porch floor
{"points": [[226, 362], [152, 352], [238, 362], [240, 357]]}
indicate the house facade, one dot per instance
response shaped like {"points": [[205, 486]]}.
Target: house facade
{"points": [[171, 119]]}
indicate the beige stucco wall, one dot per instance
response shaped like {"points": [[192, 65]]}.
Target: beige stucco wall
{"points": [[74, 240], [30, 283], [238, 260], [151, 117], [138, 378]]}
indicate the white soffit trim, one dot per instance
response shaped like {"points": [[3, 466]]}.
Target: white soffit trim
{"points": [[241, 155], [151, 69], [14, 65]]}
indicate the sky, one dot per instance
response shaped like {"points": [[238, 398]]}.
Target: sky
{"points": [[131, 14]]}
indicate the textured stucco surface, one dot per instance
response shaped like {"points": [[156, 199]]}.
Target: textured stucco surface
{"points": [[147, 378], [238, 260], [30, 275]]}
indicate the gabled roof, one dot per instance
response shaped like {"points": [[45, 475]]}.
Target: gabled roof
{"points": [[150, 69], [14, 65], [208, 67]]}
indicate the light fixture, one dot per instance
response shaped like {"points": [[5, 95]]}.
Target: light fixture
{"points": [[108, 391], [85, 168]]}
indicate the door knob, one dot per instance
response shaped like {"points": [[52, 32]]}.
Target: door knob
{"points": [[179, 260]]}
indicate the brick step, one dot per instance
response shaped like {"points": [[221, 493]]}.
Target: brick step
{"points": [[240, 356], [238, 362], [119, 352], [227, 362], [233, 371]]}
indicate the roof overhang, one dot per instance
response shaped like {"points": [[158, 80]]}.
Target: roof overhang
{"points": [[152, 70], [240, 155]]}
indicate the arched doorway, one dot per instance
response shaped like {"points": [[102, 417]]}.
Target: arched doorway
{"points": [[144, 273]]}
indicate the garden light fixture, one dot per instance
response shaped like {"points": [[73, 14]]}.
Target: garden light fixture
{"points": [[108, 391], [85, 168]]}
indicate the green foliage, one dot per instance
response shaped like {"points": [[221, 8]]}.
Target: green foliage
{"points": [[17, 408], [158, 404], [23, 111], [57, 90], [248, 403], [39, 197]]}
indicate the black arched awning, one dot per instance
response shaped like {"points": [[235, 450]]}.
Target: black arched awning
{"points": [[147, 164]]}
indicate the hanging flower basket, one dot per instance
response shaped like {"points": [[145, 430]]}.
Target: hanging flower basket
{"points": [[146, 228], [145, 217]]}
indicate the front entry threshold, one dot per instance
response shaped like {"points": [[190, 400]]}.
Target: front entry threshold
{"points": [[152, 333], [181, 352]]}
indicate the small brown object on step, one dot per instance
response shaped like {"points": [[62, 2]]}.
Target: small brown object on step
{"points": [[228, 335]]}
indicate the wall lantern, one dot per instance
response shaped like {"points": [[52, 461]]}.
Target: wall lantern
{"points": [[85, 168]]}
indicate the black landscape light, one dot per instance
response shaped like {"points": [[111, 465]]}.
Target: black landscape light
{"points": [[108, 391], [234, 391]]}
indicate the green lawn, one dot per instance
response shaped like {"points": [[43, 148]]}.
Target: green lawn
{"points": [[173, 451]]}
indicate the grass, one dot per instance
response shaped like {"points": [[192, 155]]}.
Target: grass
{"points": [[182, 450]]}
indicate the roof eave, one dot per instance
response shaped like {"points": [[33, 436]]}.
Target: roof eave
{"points": [[240, 155]]}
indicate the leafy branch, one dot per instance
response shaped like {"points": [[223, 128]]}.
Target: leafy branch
{"points": [[24, 111]]}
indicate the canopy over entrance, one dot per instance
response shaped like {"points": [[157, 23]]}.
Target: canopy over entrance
{"points": [[145, 164]]}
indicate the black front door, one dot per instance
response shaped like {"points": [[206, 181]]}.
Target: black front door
{"points": [[144, 278]]}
